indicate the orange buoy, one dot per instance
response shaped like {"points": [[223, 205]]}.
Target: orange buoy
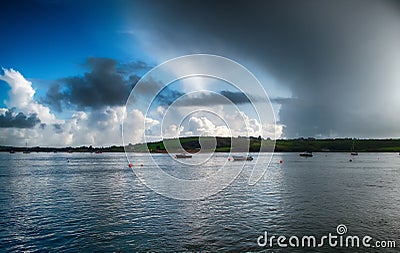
{"points": [[130, 165]]}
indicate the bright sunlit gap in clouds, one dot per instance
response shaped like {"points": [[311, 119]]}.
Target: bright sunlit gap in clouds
{"points": [[205, 106]]}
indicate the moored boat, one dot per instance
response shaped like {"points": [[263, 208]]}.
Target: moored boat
{"points": [[180, 156], [306, 154], [353, 152], [242, 158], [26, 151]]}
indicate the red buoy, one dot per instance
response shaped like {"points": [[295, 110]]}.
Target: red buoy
{"points": [[281, 161], [229, 158], [130, 165], [141, 165]]}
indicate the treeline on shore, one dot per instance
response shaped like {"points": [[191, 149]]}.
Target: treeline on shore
{"points": [[226, 144], [254, 144], [88, 149]]}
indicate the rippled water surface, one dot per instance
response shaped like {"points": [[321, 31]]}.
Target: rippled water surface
{"points": [[94, 202]]}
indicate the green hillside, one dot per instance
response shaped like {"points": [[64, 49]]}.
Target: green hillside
{"points": [[192, 144]]}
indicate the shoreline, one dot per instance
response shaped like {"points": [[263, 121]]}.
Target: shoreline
{"points": [[194, 153], [226, 144]]}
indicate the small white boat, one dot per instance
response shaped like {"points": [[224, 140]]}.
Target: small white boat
{"points": [[242, 158], [26, 151], [306, 154], [180, 156], [353, 152]]}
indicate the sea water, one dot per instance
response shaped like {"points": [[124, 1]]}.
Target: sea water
{"points": [[59, 202]]}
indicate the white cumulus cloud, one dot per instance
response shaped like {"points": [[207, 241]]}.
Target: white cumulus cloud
{"points": [[21, 97]]}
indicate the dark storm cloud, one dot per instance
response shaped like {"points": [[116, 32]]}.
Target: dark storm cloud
{"points": [[55, 97], [336, 57], [168, 96], [224, 97], [237, 97], [280, 100], [104, 85], [133, 67], [57, 128], [156, 91], [19, 120]]}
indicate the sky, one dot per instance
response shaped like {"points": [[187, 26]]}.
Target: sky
{"points": [[330, 68]]}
